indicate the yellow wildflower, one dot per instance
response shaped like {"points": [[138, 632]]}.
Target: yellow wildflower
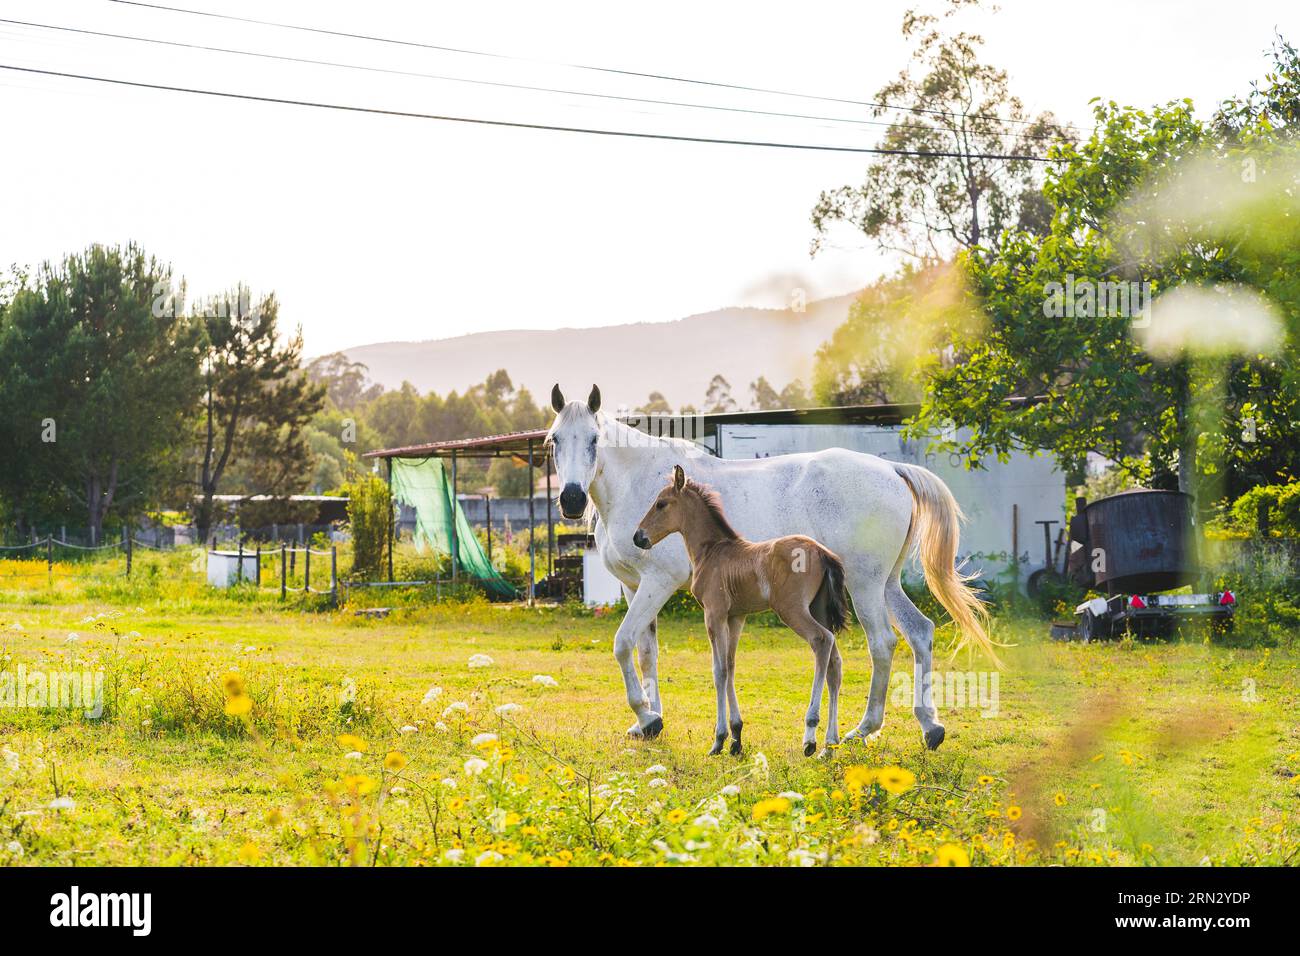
{"points": [[353, 742], [676, 815], [857, 778], [395, 761], [765, 808], [239, 706], [895, 780], [1014, 812], [950, 854]]}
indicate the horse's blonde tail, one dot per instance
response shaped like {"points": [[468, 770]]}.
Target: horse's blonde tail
{"points": [[937, 517]]}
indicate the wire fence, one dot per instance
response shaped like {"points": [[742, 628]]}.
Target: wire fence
{"points": [[52, 558]]}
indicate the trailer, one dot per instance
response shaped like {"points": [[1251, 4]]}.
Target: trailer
{"points": [[1133, 546]]}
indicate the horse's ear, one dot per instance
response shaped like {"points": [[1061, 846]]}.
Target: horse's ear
{"points": [[593, 400], [679, 478], [557, 398]]}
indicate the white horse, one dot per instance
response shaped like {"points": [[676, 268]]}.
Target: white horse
{"points": [[866, 509]]}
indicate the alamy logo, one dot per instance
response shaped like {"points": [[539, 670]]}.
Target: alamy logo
{"points": [[103, 909], [53, 690], [1086, 298]]}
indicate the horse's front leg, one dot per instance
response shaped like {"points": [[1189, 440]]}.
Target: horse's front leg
{"points": [[648, 657], [649, 597]]}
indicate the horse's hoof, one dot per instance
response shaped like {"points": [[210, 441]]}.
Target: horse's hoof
{"points": [[934, 737], [715, 750], [809, 747], [735, 748], [653, 729]]}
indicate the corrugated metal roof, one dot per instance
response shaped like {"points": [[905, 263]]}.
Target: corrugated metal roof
{"points": [[516, 443]]}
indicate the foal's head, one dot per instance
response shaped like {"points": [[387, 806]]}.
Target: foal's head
{"points": [[685, 507]]}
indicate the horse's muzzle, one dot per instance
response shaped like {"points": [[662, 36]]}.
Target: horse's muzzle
{"points": [[573, 501], [641, 540]]}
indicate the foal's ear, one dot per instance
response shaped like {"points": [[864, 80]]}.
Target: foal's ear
{"points": [[593, 400], [679, 478], [557, 398]]}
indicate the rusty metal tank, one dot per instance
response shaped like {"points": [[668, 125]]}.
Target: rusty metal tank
{"points": [[1147, 540]]}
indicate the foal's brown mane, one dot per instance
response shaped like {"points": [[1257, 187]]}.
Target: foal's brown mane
{"points": [[713, 503]]}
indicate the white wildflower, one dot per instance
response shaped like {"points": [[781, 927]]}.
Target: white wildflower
{"points": [[480, 660], [545, 680], [475, 766], [449, 783], [657, 783], [352, 755], [730, 790], [441, 727], [655, 770], [454, 855], [488, 857], [706, 821], [459, 707], [14, 848], [794, 796], [479, 741], [407, 729], [432, 694], [506, 710], [62, 803]]}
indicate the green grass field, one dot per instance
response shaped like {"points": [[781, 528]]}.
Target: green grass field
{"points": [[237, 730]]}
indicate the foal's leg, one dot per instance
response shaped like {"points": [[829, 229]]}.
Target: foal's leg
{"points": [[834, 671], [734, 626], [822, 642], [719, 637]]}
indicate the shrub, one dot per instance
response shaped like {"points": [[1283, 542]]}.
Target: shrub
{"points": [[370, 511]]}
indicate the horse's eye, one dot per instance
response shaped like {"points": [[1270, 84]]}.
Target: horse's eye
{"points": [[661, 506]]}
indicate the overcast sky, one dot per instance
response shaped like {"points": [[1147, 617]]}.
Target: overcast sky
{"points": [[375, 228]]}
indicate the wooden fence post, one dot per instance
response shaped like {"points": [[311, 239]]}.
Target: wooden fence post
{"points": [[126, 533], [258, 572], [306, 571], [334, 573], [283, 579]]}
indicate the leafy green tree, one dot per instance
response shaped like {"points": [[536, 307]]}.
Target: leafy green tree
{"points": [[256, 402], [718, 396], [975, 182], [1155, 200], [656, 404], [347, 382], [97, 382]]}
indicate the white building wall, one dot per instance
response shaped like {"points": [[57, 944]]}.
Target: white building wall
{"points": [[1032, 483]]}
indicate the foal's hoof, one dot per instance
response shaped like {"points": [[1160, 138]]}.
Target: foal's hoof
{"points": [[934, 737], [653, 729], [717, 745], [809, 747], [735, 748]]}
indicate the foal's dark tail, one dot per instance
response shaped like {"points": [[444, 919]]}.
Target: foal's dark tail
{"points": [[830, 604]]}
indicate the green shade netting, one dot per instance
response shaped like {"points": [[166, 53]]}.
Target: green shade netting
{"points": [[422, 483]]}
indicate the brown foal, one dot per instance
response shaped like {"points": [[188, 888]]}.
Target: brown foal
{"points": [[732, 578]]}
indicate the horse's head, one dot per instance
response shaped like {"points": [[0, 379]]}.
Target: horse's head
{"points": [[573, 438], [665, 515]]}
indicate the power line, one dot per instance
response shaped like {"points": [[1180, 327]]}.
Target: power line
{"points": [[478, 82], [575, 66], [479, 121]]}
